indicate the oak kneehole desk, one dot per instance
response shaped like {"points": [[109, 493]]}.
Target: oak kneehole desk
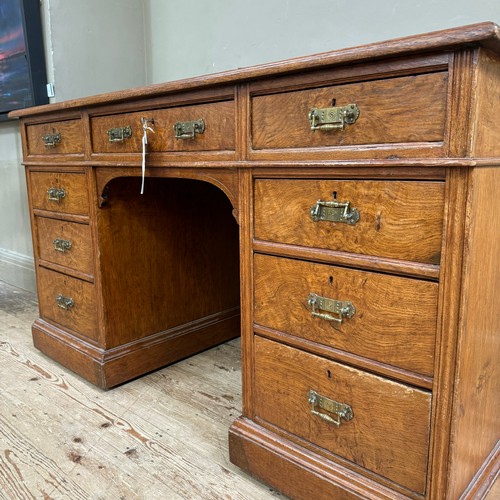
{"points": [[340, 210]]}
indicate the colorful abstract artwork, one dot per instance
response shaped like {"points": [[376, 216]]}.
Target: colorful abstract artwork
{"points": [[15, 86]]}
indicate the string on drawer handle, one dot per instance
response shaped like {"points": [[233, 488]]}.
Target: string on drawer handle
{"points": [[337, 410], [147, 125], [65, 303], [341, 308]]}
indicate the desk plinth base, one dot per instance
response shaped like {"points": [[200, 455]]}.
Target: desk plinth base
{"points": [[303, 475], [111, 367], [293, 470]]}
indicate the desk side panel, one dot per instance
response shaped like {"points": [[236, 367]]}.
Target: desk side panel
{"points": [[475, 420]]}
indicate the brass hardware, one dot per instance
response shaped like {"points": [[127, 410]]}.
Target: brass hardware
{"points": [[333, 118], [339, 410], [343, 309], [187, 130], [148, 123], [334, 211], [51, 140], [65, 303], [61, 245], [119, 134], [56, 194]]}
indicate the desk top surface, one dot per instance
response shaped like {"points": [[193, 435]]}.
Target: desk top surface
{"points": [[482, 34]]}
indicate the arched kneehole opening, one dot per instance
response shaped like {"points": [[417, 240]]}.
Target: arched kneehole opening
{"points": [[170, 264]]}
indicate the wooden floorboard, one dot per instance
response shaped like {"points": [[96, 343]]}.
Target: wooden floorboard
{"points": [[162, 436]]}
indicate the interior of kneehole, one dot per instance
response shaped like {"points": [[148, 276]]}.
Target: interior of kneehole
{"points": [[170, 261]]}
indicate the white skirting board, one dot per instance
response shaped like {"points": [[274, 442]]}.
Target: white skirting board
{"points": [[17, 269]]}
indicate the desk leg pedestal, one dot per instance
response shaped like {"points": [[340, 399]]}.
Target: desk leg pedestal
{"points": [[108, 368]]}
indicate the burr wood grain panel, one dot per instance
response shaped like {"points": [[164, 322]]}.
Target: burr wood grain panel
{"points": [[218, 135], [389, 429], [81, 316], [397, 219], [65, 243], [396, 110], [70, 138], [60, 192], [394, 320]]}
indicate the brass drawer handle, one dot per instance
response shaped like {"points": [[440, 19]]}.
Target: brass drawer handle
{"points": [[65, 303], [334, 211], [119, 134], [342, 309], [56, 194], [61, 245], [333, 118], [51, 140], [187, 130], [339, 410]]}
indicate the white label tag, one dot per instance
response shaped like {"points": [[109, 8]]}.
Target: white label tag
{"points": [[145, 128]]}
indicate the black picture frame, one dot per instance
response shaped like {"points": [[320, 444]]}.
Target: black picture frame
{"points": [[23, 77]]}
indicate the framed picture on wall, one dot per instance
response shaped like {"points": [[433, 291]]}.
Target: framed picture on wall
{"points": [[23, 79]]}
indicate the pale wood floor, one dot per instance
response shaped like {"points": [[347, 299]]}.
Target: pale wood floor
{"points": [[163, 436]]}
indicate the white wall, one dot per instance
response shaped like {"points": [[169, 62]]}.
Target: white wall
{"points": [[200, 37], [16, 251], [12, 181], [91, 46], [95, 46]]}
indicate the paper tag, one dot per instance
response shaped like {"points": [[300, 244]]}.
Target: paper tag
{"points": [[145, 128]]}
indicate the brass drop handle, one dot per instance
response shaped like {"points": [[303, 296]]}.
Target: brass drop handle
{"points": [[61, 245], [65, 303], [333, 118], [51, 140], [342, 309], [333, 412], [188, 130], [119, 134], [334, 211], [56, 194]]}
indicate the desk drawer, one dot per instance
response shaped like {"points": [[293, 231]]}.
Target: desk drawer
{"points": [[63, 137], [407, 109], [68, 301], [218, 130], [59, 192], [65, 243], [393, 318], [397, 219], [388, 433]]}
